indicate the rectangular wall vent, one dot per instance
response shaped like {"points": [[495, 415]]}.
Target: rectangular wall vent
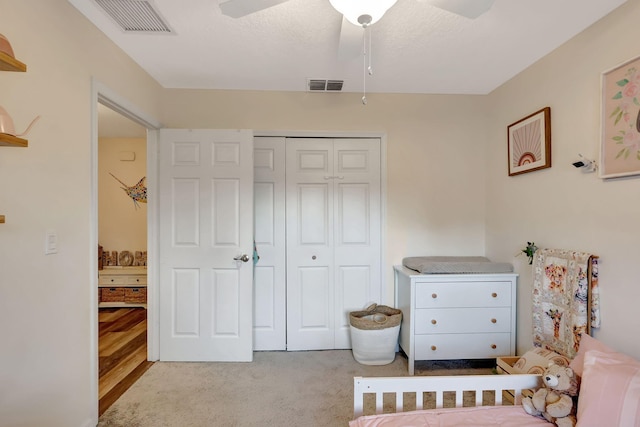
{"points": [[135, 15], [322, 85]]}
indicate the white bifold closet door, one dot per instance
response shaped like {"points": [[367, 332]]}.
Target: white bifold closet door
{"points": [[333, 215], [269, 276]]}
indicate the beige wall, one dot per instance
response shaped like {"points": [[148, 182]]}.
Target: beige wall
{"points": [[435, 155], [45, 305], [448, 192], [562, 207], [121, 225]]}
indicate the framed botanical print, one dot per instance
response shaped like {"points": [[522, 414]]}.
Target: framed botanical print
{"points": [[620, 121]]}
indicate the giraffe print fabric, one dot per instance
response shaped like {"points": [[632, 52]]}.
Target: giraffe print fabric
{"points": [[565, 299]]}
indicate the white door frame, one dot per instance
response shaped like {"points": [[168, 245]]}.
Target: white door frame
{"points": [[102, 94]]}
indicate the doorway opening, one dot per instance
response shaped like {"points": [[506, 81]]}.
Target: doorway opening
{"points": [[122, 255], [120, 330]]}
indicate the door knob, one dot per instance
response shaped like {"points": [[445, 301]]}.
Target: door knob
{"points": [[243, 258]]}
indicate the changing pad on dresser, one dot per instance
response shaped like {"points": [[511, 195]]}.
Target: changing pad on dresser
{"points": [[456, 265]]}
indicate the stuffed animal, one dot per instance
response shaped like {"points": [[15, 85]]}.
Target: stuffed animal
{"points": [[554, 401]]}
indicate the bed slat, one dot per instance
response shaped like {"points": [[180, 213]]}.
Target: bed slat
{"points": [[439, 384]]}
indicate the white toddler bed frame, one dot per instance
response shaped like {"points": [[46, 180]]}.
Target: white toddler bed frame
{"points": [[515, 384]]}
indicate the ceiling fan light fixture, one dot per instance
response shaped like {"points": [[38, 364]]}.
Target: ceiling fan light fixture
{"points": [[362, 12]]}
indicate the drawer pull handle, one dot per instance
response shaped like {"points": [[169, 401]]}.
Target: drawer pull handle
{"points": [[112, 280], [494, 321], [493, 346], [494, 295], [434, 321], [434, 295], [433, 348]]}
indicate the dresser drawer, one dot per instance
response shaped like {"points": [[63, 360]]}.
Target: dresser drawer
{"points": [[466, 320], [112, 280], [463, 294], [136, 280], [461, 346]]}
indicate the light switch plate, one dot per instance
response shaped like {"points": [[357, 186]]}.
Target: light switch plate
{"points": [[51, 243]]}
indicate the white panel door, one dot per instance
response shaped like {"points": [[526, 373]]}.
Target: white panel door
{"points": [[310, 292], [357, 230], [269, 281], [333, 238], [205, 221]]}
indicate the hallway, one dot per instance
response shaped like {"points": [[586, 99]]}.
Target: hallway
{"points": [[122, 352]]}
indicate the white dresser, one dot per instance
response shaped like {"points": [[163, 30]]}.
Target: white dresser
{"points": [[122, 287], [456, 316]]}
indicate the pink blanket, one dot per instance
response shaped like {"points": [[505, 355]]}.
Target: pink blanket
{"points": [[484, 416]]}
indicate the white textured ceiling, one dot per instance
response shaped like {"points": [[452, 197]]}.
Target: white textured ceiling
{"points": [[416, 48]]}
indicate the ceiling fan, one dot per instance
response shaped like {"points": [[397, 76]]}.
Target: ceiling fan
{"points": [[468, 8], [358, 15], [351, 30]]}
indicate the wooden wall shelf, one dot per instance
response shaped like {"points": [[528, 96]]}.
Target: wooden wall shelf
{"points": [[7, 140], [7, 63]]}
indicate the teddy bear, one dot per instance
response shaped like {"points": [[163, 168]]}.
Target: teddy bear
{"points": [[554, 401]]}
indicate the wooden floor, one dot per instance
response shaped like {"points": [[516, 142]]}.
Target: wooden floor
{"points": [[122, 351]]}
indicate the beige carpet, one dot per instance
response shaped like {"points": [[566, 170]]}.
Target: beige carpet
{"points": [[313, 388]]}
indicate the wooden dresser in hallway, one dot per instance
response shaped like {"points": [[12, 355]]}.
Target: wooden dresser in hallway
{"points": [[122, 351]]}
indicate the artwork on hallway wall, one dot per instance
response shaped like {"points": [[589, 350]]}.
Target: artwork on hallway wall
{"points": [[138, 192], [620, 121], [529, 143]]}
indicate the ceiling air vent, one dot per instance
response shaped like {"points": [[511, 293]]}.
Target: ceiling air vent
{"points": [[318, 85], [135, 15]]}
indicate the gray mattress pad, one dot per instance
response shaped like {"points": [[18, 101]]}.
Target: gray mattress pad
{"points": [[456, 265]]}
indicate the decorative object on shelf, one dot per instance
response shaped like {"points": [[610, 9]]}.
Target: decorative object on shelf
{"points": [[138, 192], [6, 124], [110, 258], [5, 46], [620, 120], [140, 258], [529, 143], [529, 251], [100, 257], [8, 61], [125, 259]]}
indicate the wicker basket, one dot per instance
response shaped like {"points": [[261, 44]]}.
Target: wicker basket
{"points": [[135, 295], [112, 294], [375, 317]]}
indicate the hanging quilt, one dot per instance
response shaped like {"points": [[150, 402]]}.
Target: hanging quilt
{"points": [[566, 301]]}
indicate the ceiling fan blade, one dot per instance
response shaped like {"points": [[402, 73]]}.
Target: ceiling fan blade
{"points": [[350, 44], [467, 8], [240, 8]]}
